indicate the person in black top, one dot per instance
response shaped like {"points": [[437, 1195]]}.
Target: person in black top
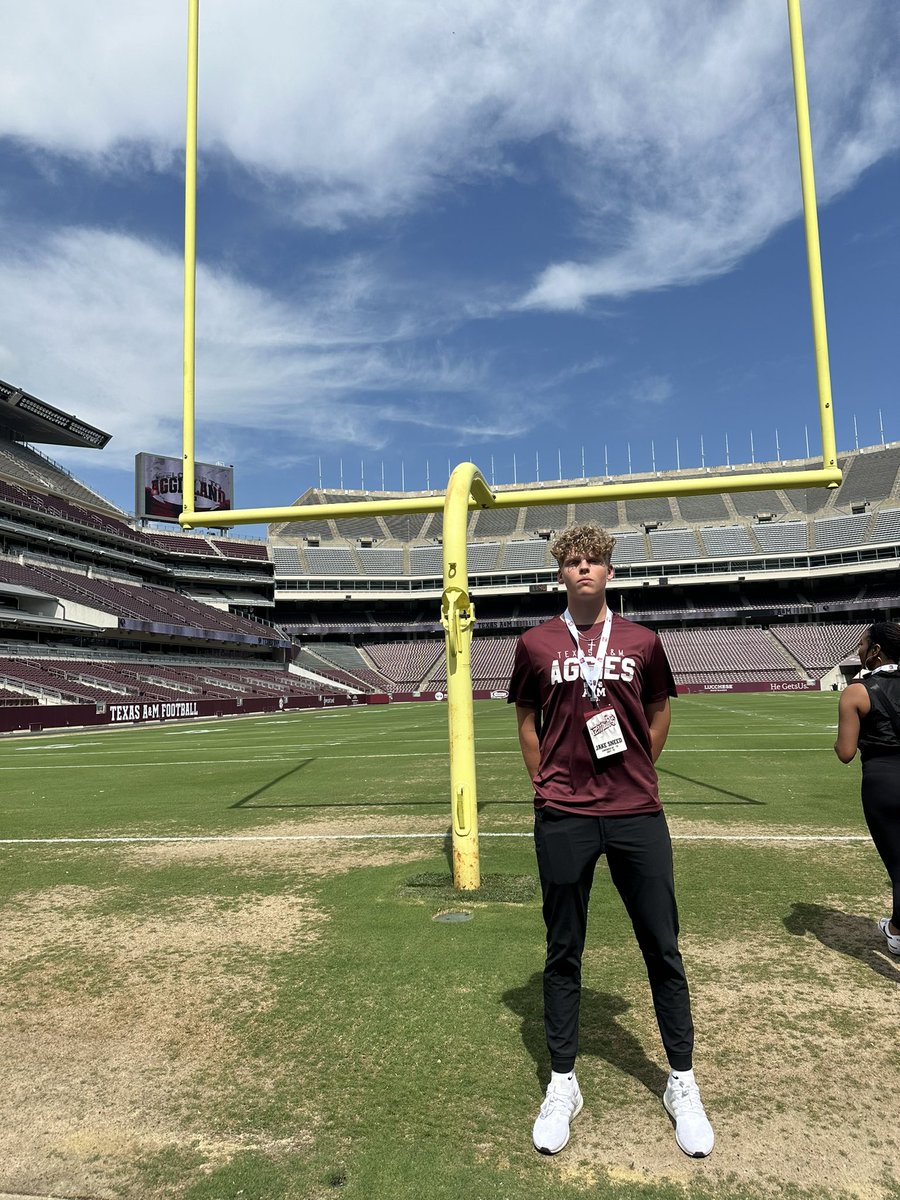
{"points": [[869, 721]]}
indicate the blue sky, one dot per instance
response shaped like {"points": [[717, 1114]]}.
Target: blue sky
{"points": [[489, 230]]}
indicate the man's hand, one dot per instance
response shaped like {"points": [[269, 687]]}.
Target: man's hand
{"points": [[659, 717], [528, 740]]}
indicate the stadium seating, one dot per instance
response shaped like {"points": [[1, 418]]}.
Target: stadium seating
{"points": [[71, 545], [497, 522], [652, 510], [37, 471], [405, 528], [605, 514], [730, 540], [870, 475], [749, 504], [241, 549], [381, 560], [724, 651], [78, 680], [887, 526], [550, 516], [492, 662], [669, 544], [782, 538], [703, 508], [330, 560], [840, 531], [426, 560], [630, 547], [527, 555], [286, 560], [181, 543], [343, 663], [818, 647], [734, 676], [128, 601], [406, 663], [482, 556], [41, 679]]}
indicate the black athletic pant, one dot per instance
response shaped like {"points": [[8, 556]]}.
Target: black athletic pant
{"points": [[881, 808], [639, 853]]}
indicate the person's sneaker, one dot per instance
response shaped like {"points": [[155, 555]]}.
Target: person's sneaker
{"points": [[562, 1104], [693, 1132], [892, 939]]}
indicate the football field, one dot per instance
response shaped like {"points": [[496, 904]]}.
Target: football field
{"points": [[221, 974]]}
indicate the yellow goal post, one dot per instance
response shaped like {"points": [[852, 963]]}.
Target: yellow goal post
{"points": [[467, 489]]}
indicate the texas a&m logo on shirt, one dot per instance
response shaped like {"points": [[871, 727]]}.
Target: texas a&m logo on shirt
{"points": [[565, 668]]}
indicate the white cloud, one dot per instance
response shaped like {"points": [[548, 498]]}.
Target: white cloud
{"points": [[711, 169], [367, 108], [670, 128], [651, 391], [95, 327]]}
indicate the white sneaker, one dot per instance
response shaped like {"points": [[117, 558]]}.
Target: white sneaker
{"points": [[892, 939], [693, 1132], [562, 1104]]}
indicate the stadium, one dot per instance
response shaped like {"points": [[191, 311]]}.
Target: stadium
{"points": [[236, 648], [248, 950], [760, 591]]}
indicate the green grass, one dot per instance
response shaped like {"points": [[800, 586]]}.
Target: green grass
{"points": [[304, 1028]]}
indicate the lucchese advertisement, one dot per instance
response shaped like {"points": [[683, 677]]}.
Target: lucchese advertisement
{"points": [[159, 485]]}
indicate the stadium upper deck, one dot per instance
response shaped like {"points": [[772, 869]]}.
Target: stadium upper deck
{"points": [[773, 530]]}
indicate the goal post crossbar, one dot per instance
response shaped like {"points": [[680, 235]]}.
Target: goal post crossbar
{"points": [[569, 494]]}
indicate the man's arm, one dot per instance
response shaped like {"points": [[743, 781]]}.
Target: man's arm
{"points": [[853, 704], [659, 717], [528, 739]]}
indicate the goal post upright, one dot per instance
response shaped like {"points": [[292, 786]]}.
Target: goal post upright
{"points": [[466, 485], [190, 263], [467, 489], [811, 228]]}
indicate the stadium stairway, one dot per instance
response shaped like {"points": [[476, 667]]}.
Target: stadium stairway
{"points": [[425, 684], [794, 663]]}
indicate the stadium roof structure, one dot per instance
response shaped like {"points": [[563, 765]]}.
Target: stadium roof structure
{"points": [[35, 421]]}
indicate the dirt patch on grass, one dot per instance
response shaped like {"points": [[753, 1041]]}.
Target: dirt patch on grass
{"points": [[116, 1028], [264, 850], [796, 1057], [73, 918]]}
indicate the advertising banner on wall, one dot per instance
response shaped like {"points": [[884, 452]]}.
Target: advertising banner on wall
{"points": [[782, 685], [158, 486]]}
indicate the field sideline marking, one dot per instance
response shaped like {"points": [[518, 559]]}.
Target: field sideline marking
{"points": [[399, 837], [437, 741], [216, 762]]}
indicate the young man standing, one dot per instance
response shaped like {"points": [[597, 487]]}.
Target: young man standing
{"points": [[591, 692]]}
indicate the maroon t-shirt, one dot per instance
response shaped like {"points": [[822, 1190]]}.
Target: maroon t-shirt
{"points": [[547, 677]]}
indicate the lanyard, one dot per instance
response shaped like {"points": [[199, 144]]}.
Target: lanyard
{"points": [[889, 667], [591, 668]]}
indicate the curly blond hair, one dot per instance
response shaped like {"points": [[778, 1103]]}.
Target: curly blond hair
{"points": [[589, 540]]}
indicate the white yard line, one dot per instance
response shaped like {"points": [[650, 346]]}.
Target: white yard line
{"points": [[215, 762], [398, 837]]}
